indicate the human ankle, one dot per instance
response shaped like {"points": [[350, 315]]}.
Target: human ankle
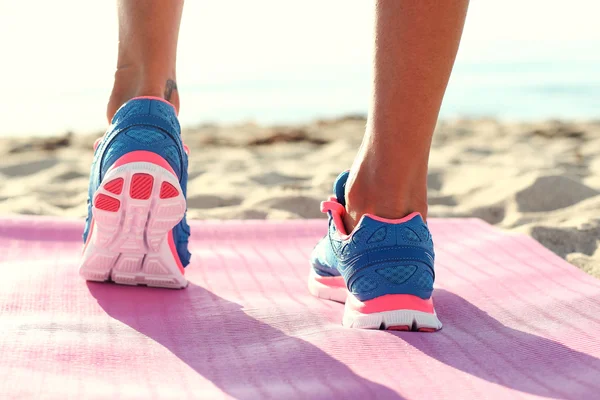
{"points": [[130, 83], [386, 196]]}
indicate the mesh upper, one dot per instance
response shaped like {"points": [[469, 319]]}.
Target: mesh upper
{"points": [[379, 257], [397, 274]]}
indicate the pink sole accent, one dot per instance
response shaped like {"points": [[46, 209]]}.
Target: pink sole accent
{"points": [[141, 186], [107, 203], [174, 252], [406, 328], [168, 191], [143, 156], [331, 281], [390, 302], [115, 186], [402, 328]]}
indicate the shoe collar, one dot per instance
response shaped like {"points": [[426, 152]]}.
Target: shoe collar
{"points": [[337, 211]]}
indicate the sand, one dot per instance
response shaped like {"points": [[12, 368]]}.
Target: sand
{"points": [[540, 178]]}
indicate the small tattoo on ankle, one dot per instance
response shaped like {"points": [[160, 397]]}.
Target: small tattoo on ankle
{"points": [[170, 87]]}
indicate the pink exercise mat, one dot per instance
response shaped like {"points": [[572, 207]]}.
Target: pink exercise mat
{"points": [[519, 322]]}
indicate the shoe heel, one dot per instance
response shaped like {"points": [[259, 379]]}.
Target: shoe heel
{"points": [[134, 211]]}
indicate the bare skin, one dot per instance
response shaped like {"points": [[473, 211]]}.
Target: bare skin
{"points": [[415, 47], [148, 33]]}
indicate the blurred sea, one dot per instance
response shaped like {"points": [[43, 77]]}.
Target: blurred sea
{"points": [[513, 91], [284, 62]]}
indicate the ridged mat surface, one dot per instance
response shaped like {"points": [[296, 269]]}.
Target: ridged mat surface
{"points": [[519, 322]]}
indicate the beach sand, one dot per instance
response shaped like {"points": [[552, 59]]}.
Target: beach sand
{"points": [[540, 178]]}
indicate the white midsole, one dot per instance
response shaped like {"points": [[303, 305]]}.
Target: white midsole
{"points": [[323, 291]]}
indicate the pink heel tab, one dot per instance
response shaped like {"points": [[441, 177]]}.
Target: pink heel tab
{"points": [[97, 142], [337, 213], [332, 205], [394, 221], [156, 98], [390, 302]]}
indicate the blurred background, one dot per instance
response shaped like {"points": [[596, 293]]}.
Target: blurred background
{"points": [[282, 61], [274, 97]]}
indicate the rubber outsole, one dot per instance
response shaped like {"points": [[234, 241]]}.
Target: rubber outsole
{"points": [[130, 240], [396, 320]]}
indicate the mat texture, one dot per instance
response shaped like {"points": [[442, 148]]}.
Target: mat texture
{"points": [[519, 322]]}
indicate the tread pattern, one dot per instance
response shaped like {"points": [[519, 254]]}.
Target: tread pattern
{"points": [[168, 191], [115, 186], [141, 186], [107, 203], [130, 242]]}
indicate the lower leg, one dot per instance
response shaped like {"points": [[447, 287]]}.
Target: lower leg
{"points": [[148, 33], [415, 47]]}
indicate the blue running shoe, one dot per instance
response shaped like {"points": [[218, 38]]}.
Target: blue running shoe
{"points": [[383, 270], [136, 232]]}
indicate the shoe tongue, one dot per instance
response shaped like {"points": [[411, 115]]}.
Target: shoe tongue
{"points": [[339, 187]]}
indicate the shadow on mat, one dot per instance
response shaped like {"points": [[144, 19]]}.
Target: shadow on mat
{"points": [[474, 342], [241, 355]]}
